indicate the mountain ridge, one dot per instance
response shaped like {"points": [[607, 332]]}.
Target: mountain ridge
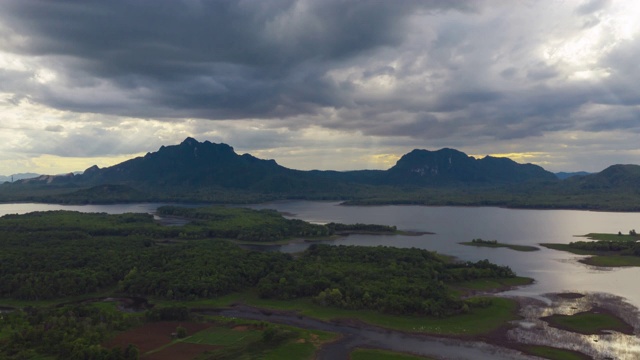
{"points": [[195, 171], [193, 163]]}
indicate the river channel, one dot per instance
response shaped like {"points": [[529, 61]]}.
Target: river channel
{"points": [[554, 271]]}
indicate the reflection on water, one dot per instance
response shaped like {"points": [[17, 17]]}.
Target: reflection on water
{"points": [[554, 271], [613, 345]]}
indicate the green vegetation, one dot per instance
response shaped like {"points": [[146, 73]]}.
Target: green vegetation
{"points": [[67, 332], [251, 340], [489, 285], [612, 261], [487, 314], [242, 224], [608, 250], [224, 336], [385, 279], [552, 353], [589, 322], [375, 354], [631, 236], [53, 258], [496, 244]]}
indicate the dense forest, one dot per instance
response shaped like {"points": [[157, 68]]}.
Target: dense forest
{"points": [[58, 254]]}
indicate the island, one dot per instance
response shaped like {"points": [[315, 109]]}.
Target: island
{"points": [[606, 249], [496, 244]]}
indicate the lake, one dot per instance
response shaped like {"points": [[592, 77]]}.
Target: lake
{"points": [[554, 271]]}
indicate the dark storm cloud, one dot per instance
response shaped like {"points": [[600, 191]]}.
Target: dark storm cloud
{"points": [[463, 72], [210, 59]]}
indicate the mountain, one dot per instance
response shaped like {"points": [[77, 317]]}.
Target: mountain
{"points": [[15, 177], [450, 167], [195, 171], [192, 165], [191, 169], [565, 175], [613, 177], [188, 164]]}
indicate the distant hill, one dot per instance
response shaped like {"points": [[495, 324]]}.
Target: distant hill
{"points": [[194, 171], [17, 177], [615, 176], [188, 164], [193, 164], [449, 166], [565, 175]]}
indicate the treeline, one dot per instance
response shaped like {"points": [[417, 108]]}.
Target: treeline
{"points": [[73, 332], [385, 279], [485, 242], [630, 248], [336, 227], [242, 224]]}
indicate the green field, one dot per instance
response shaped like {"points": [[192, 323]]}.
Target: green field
{"points": [[612, 261], [552, 353], [224, 336], [477, 322], [248, 340], [600, 257], [611, 237], [589, 323]]}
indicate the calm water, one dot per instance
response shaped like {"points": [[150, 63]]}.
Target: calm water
{"points": [[554, 271]]}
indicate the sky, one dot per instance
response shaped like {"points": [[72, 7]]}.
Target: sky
{"points": [[319, 84]]}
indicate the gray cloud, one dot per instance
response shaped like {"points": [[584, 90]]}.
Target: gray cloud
{"points": [[446, 73], [210, 59]]}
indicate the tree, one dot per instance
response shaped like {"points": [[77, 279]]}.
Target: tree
{"points": [[181, 332]]}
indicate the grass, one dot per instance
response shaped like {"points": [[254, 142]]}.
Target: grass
{"points": [[611, 237], [612, 261], [478, 321], [4, 333], [375, 354], [567, 248], [552, 353], [598, 258], [248, 344], [525, 248], [223, 336], [589, 323]]}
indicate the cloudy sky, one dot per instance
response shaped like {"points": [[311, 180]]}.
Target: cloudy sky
{"points": [[326, 84]]}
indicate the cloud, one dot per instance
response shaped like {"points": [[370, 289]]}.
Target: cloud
{"points": [[116, 77]]}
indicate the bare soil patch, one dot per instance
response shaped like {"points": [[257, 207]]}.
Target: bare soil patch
{"points": [[151, 336], [181, 351]]}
